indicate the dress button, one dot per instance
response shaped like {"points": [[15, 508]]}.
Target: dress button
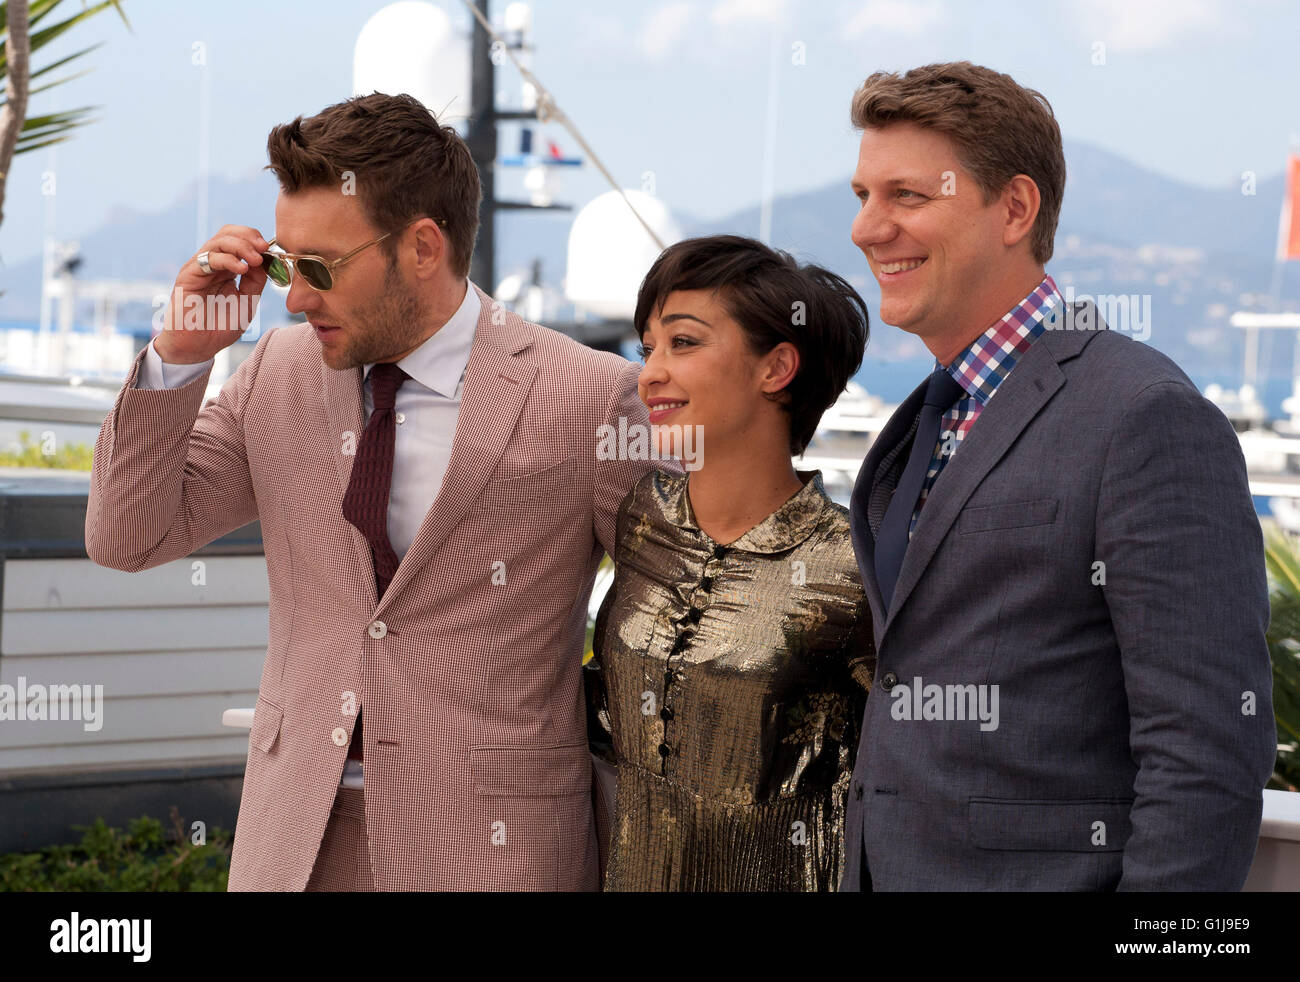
{"points": [[339, 736], [719, 552], [400, 417], [664, 750], [888, 681], [706, 584], [695, 615], [377, 629], [665, 713]]}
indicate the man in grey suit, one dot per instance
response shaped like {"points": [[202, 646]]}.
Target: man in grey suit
{"points": [[1056, 535]]}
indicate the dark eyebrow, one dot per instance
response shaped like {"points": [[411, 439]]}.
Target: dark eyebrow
{"points": [[893, 182], [670, 318], [309, 251]]}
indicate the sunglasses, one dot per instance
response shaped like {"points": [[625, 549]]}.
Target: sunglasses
{"points": [[317, 271]]}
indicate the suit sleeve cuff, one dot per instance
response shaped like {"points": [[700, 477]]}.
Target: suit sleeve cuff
{"points": [[156, 374]]}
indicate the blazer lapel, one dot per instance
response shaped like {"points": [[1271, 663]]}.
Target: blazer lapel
{"points": [[1018, 400], [497, 380], [345, 410], [864, 542]]}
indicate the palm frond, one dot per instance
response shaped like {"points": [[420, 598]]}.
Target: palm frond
{"points": [[45, 130]]}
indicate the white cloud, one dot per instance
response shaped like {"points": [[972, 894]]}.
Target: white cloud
{"points": [[1128, 26], [743, 11], [663, 27], [910, 19]]}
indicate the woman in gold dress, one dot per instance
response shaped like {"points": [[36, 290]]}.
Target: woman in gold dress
{"points": [[733, 651]]}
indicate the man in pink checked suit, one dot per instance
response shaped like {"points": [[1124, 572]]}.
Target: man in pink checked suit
{"points": [[419, 722]]}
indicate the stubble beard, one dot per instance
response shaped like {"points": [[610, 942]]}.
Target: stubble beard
{"points": [[392, 324]]}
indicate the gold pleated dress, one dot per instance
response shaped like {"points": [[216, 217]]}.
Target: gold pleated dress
{"points": [[730, 683]]}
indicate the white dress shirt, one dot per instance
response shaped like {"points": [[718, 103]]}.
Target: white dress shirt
{"points": [[427, 408]]}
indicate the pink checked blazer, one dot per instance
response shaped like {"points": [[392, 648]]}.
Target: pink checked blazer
{"points": [[477, 771]]}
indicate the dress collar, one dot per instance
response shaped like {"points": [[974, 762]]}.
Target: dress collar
{"points": [[784, 529]]}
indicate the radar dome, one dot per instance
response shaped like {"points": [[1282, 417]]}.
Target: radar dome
{"points": [[412, 47], [610, 252]]}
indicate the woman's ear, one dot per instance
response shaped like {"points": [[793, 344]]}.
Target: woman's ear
{"points": [[780, 366]]}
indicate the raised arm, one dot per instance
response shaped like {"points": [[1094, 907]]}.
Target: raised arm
{"points": [[169, 474]]}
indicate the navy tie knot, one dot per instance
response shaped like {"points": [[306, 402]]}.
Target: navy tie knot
{"points": [[943, 390]]}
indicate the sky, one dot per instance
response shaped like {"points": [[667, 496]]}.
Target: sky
{"points": [[1200, 90]]}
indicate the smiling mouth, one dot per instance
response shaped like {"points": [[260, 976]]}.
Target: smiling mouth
{"points": [[663, 409], [906, 266]]}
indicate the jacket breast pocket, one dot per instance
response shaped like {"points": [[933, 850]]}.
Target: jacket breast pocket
{"points": [[1011, 515], [1061, 825], [531, 772], [536, 485], [267, 717]]}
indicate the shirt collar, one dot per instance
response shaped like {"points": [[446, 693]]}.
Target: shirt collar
{"points": [[440, 361], [981, 368], [784, 529]]}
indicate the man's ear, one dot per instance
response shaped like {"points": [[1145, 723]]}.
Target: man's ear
{"points": [[1020, 204], [431, 248]]}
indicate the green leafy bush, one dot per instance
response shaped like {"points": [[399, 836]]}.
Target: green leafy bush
{"points": [[1283, 560], [32, 453], [144, 858]]}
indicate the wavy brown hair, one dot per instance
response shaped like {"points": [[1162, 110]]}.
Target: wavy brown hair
{"points": [[997, 127], [406, 165]]}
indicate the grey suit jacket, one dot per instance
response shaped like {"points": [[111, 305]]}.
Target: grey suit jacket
{"points": [[1093, 552]]}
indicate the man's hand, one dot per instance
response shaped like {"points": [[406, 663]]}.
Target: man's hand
{"points": [[213, 311]]}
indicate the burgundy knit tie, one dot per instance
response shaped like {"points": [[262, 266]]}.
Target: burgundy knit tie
{"points": [[365, 504]]}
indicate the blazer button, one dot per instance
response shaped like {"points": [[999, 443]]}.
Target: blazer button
{"points": [[664, 750], [339, 736], [378, 629], [857, 791], [888, 681]]}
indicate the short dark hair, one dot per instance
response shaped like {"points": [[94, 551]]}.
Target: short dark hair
{"points": [[998, 129], [405, 165], [761, 289]]}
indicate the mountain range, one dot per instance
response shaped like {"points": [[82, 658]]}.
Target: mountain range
{"points": [[1198, 253]]}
